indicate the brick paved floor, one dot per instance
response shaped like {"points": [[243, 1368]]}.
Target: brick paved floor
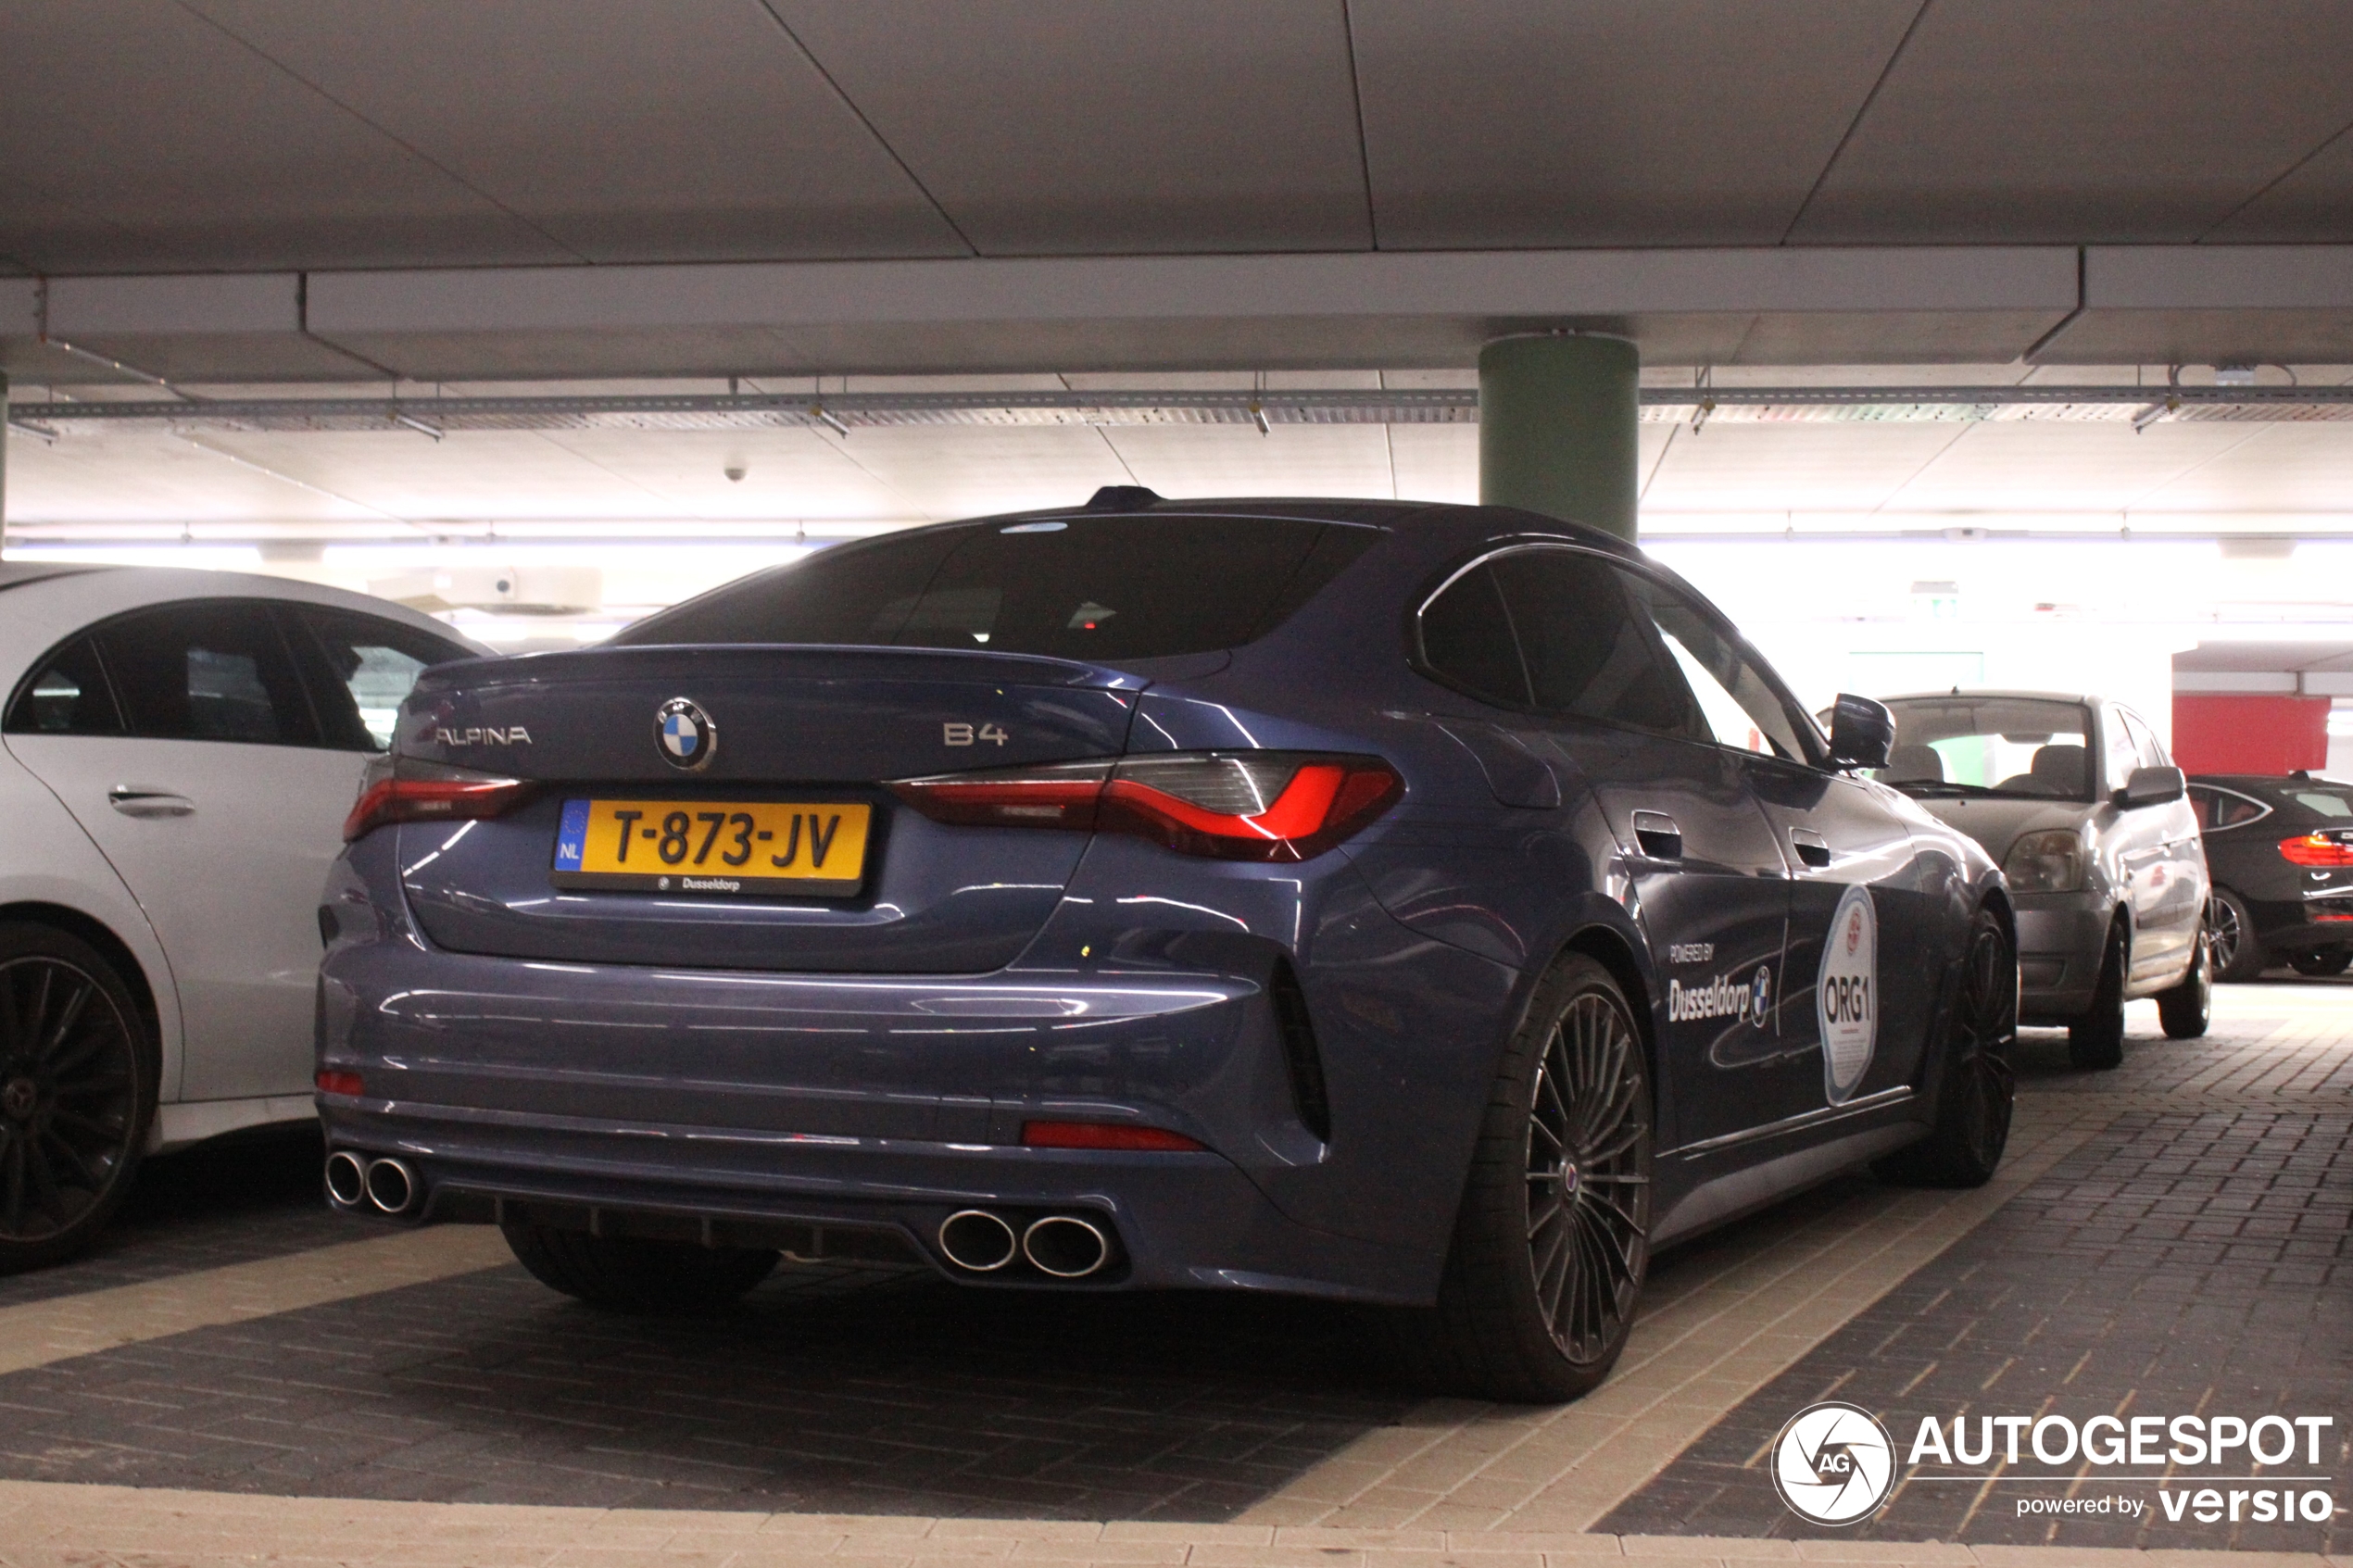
{"points": [[242, 1198], [2184, 1260]]}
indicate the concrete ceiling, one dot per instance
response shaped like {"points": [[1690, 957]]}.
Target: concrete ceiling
{"points": [[1055, 177]]}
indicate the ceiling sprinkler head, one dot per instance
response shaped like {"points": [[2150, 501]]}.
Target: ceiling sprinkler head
{"points": [[735, 470]]}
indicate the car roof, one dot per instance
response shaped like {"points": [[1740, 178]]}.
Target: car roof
{"points": [[2007, 693], [16, 574]]}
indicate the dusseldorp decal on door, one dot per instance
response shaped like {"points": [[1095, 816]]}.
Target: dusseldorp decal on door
{"points": [[1846, 998]]}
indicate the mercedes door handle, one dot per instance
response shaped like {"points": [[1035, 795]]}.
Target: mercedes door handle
{"points": [[1811, 846], [1656, 835], [134, 801]]}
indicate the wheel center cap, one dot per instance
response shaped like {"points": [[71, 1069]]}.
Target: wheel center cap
{"points": [[19, 1097], [1568, 1178]]}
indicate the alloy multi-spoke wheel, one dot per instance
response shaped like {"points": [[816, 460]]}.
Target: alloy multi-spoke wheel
{"points": [[75, 1094], [1976, 1090], [1552, 1238], [1589, 1178]]}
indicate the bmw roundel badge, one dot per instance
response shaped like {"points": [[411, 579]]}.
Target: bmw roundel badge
{"points": [[685, 735]]}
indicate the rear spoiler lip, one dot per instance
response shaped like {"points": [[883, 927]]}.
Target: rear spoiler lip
{"points": [[686, 660]]}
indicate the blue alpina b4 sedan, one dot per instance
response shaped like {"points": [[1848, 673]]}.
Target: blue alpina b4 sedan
{"points": [[1437, 907]]}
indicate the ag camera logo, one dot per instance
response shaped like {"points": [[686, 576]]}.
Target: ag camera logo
{"points": [[1834, 1464]]}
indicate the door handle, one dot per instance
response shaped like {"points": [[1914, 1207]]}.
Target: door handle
{"points": [[1656, 835], [1811, 846], [132, 800]]}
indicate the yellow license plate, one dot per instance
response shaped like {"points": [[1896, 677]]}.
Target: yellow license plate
{"points": [[804, 846]]}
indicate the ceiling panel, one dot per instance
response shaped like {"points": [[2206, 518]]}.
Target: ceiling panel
{"points": [[179, 147], [2279, 468], [2085, 120], [1730, 468], [2310, 202], [1177, 460], [1057, 126], [2059, 468], [1593, 122], [628, 129]]}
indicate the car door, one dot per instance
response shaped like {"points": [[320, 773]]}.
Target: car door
{"points": [[220, 810], [1708, 885], [1858, 911], [2170, 884]]}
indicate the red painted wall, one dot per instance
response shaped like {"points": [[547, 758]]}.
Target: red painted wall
{"points": [[2246, 733]]}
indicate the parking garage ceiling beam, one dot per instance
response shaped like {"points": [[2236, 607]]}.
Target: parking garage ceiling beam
{"points": [[1773, 305]]}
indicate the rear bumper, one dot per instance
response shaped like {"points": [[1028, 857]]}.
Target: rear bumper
{"points": [[2285, 926], [741, 1104], [2061, 937]]}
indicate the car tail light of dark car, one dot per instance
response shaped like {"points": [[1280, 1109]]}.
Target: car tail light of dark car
{"points": [[406, 791], [1229, 805], [2319, 850]]}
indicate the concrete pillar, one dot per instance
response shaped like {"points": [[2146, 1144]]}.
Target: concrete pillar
{"points": [[1557, 427]]}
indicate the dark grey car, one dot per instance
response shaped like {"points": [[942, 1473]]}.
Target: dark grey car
{"points": [[2077, 800]]}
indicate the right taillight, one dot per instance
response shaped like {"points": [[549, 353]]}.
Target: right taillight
{"points": [[2317, 849], [400, 790], [1227, 806]]}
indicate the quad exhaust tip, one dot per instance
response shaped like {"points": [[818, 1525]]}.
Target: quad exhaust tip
{"points": [[976, 1240], [346, 1179], [1065, 1247], [392, 1187]]}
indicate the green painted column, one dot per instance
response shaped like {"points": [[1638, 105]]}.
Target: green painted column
{"points": [[1557, 427]]}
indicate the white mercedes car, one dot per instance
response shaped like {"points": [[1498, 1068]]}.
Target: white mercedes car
{"points": [[178, 751]]}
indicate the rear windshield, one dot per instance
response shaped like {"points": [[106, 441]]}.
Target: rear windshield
{"points": [[1117, 587], [2021, 747], [2321, 799]]}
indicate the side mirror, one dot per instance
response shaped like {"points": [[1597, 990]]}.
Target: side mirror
{"points": [[1862, 731], [2151, 787]]}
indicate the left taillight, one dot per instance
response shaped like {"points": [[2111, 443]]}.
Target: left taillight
{"points": [[403, 790], [1228, 806]]}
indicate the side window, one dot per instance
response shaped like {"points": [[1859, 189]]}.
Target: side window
{"points": [[207, 670], [2117, 744], [2203, 804], [2145, 747], [1588, 652], [1466, 638], [67, 695], [1740, 708], [369, 664]]}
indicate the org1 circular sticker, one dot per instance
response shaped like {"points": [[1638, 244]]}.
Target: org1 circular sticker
{"points": [[1846, 996], [1834, 1464]]}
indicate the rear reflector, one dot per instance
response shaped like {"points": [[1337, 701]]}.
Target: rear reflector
{"points": [[2317, 849], [332, 1082], [1229, 805], [428, 792], [1106, 1134]]}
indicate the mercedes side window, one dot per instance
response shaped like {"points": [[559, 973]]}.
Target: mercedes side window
{"points": [[1588, 652], [67, 695], [1467, 639], [209, 671], [371, 663], [1738, 705]]}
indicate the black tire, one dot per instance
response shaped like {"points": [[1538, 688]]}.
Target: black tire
{"points": [[633, 1276], [2187, 1008], [77, 1070], [1976, 1090], [1552, 1241], [2238, 951], [2095, 1041], [2322, 962]]}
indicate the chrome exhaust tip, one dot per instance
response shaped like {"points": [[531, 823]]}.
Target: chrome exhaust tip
{"points": [[392, 1187], [1065, 1247], [347, 1180], [976, 1240]]}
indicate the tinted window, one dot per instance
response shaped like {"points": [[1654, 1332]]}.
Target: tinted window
{"points": [[1737, 704], [1467, 639], [1588, 651], [67, 695], [1990, 745], [1136, 586], [206, 671], [2219, 808], [371, 663], [2322, 800]]}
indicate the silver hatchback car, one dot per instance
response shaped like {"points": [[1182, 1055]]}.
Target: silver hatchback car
{"points": [[2076, 800]]}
